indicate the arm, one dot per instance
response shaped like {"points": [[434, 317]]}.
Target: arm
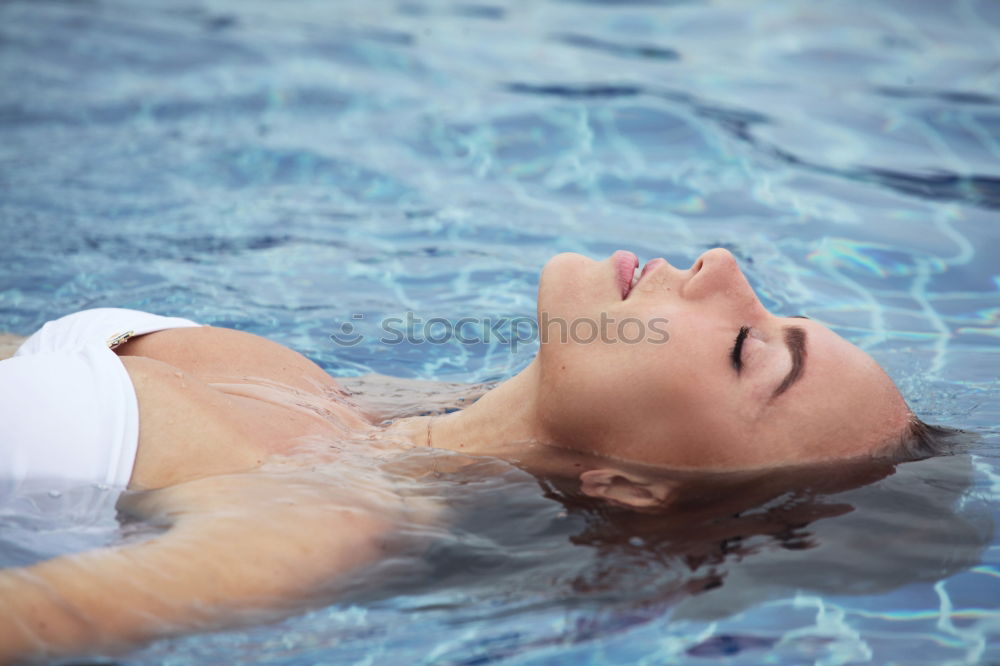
{"points": [[240, 549]]}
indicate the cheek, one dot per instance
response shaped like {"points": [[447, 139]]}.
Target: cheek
{"points": [[675, 403]]}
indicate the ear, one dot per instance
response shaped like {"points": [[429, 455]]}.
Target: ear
{"points": [[626, 488]]}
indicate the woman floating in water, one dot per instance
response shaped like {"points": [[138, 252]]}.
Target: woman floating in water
{"points": [[269, 477]]}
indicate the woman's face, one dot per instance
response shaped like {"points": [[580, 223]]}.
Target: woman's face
{"points": [[688, 370]]}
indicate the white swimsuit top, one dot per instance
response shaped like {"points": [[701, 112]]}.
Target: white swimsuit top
{"points": [[68, 410]]}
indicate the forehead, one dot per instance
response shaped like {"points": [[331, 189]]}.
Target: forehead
{"points": [[843, 405]]}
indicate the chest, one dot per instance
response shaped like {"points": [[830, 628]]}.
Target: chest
{"points": [[215, 401]]}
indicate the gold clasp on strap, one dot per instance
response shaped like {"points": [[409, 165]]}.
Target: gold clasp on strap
{"points": [[118, 339]]}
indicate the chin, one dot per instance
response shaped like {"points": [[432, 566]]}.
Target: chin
{"points": [[566, 261], [568, 284]]}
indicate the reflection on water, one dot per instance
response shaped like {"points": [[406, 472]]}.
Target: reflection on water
{"points": [[279, 168]]}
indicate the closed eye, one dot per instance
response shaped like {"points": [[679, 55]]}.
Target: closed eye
{"points": [[736, 355]]}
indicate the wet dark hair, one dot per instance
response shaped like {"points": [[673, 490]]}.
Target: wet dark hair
{"points": [[920, 441]]}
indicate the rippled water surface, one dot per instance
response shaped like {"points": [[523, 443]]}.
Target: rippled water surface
{"points": [[289, 168]]}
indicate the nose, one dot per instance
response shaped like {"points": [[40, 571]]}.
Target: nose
{"points": [[716, 259], [716, 273]]}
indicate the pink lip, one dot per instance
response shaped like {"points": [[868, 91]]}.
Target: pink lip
{"points": [[625, 263], [651, 264], [648, 268]]}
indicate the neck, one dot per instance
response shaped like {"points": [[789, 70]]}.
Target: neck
{"points": [[502, 423]]}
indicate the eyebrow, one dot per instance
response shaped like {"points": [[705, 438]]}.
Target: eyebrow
{"points": [[795, 340]]}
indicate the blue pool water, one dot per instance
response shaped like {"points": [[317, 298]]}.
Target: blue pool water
{"points": [[289, 168]]}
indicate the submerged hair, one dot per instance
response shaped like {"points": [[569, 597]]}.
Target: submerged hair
{"points": [[919, 441]]}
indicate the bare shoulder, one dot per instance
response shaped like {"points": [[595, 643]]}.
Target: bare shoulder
{"points": [[314, 523], [388, 397], [299, 501], [9, 344]]}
